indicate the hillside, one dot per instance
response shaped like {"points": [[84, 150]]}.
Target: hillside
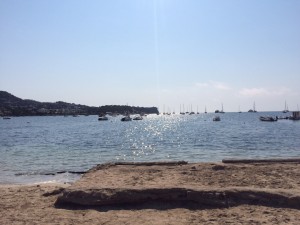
{"points": [[11, 105]]}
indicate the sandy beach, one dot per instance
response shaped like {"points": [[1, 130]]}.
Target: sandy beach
{"points": [[278, 182]]}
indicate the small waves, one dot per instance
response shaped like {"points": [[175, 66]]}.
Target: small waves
{"points": [[54, 148]]}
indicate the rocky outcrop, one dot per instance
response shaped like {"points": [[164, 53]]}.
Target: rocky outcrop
{"points": [[226, 197], [201, 184], [11, 105]]}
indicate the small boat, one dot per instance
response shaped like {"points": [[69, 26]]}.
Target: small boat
{"points": [[192, 112], [252, 110], [126, 118], [6, 118], [216, 118], [286, 110], [283, 117], [101, 118], [295, 116], [268, 118], [138, 118], [220, 111]]}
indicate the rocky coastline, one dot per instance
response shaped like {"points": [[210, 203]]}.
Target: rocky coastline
{"points": [[11, 105]]}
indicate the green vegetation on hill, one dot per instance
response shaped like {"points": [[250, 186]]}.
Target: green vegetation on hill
{"points": [[11, 105]]}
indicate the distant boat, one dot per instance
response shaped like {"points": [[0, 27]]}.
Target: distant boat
{"points": [[138, 118], [252, 110], [216, 118], [268, 118], [205, 111], [220, 111], [181, 110], [286, 110], [6, 118], [192, 112], [102, 117], [126, 118], [240, 110], [295, 116]]}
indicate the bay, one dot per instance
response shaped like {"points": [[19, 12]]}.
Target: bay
{"points": [[50, 149]]}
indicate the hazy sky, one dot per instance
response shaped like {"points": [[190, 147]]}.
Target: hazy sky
{"points": [[153, 52]]}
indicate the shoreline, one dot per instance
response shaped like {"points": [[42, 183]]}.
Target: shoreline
{"points": [[73, 176], [37, 204]]}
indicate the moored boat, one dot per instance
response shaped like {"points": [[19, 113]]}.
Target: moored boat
{"points": [[126, 118], [268, 118], [252, 110], [295, 115], [216, 118], [102, 117], [138, 118], [286, 109]]}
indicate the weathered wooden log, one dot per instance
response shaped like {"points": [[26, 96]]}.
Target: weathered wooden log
{"points": [[163, 163], [286, 160]]}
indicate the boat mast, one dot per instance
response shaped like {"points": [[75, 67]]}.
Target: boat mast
{"points": [[285, 106]]}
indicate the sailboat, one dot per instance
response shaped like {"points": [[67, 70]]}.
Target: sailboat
{"points": [[191, 113], [222, 111], [182, 113], [205, 111], [252, 110], [286, 110]]}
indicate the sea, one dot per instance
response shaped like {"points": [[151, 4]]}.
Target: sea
{"points": [[48, 149]]}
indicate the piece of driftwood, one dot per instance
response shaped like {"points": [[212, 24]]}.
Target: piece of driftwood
{"points": [[163, 163], [287, 160]]}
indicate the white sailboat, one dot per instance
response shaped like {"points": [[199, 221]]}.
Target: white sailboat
{"points": [[286, 110]]}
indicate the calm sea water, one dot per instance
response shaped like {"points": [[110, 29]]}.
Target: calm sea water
{"points": [[40, 149]]}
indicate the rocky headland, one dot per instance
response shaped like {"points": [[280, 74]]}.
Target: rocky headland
{"points": [[11, 105]]}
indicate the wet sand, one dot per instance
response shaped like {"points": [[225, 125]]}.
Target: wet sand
{"points": [[37, 204]]}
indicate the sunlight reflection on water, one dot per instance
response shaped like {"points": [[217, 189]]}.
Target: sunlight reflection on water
{"points": [[76, 144]]}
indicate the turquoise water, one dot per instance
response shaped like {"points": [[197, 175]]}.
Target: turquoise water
{"points": [[42, 149]]}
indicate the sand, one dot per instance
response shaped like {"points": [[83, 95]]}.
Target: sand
{"points": [[35, 204]]}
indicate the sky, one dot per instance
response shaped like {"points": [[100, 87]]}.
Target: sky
{"points": [[163, 53]]}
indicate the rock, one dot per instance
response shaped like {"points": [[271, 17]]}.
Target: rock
{"points": [[218, 167], [221, 197]]}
